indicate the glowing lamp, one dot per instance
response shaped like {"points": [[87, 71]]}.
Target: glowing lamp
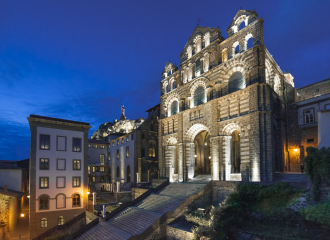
{"points": [[209, 157], [205, 144], [195, 156], [295, 149], [87, 193], [28, 196], [22, 214]]}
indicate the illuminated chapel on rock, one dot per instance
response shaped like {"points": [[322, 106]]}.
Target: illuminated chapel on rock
{"points": [[225, 112]]}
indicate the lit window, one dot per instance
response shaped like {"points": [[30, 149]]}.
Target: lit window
{"points": [[93, 169], [102, 159], [127, 152], [309, 116], [89, 145], [76, 181], [60, 220], [44, 163], [43, 223], [89, 169], [76, 164], [118, 153], [118, 142], [44, 142], [76, 144], [94, 146], [199, 96], [109, 156], [152, 150], [101, 169], [127, 139], [44, 182], [93, 179], [102, 146], [76, 200], [113, 144], [122, 140]]}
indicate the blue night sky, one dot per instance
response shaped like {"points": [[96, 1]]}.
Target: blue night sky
{"points": [[81, 60]]}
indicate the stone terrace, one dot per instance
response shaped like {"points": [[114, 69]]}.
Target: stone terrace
{"points": [[135, 220]]}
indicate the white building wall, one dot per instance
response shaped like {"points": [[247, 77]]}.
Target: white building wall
{"points": [[52, 173], [11, 177], [123, 161], [324, 129]]}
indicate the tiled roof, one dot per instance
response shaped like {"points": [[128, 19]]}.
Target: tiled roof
{"points": [[8, 166], [58, 119]]}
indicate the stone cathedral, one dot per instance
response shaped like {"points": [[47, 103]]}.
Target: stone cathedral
{"points": [[223, 112]]}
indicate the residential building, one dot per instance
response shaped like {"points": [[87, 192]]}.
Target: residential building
{"points": [[58, 171]]}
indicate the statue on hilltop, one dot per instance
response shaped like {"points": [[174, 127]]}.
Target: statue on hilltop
{"points": [[122, 117]]}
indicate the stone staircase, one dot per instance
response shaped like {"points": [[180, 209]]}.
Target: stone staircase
{"points": [[135, 220]]}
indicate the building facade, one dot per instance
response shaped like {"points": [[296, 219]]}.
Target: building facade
{"points": [[224, 112], [58, 171]]}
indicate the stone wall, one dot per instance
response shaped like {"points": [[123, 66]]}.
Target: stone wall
{"points": [[305, 134], [313, 90], [221, 189], [137, 192], [9, 212], [123, 196], [175, 233]]}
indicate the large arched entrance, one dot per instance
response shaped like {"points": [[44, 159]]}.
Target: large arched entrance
{"points": [[202, 153]]}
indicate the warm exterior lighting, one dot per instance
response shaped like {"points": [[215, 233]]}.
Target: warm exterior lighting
{"points": [[209, 157], [87, 193], [28, 196], [195, 156], [205, 144], [119, 203], [22, 214], [296, 150]]}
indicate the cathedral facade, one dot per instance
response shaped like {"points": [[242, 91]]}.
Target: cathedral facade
{"points": [[223, 112]]}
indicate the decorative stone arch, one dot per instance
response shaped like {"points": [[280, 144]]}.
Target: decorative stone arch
{"points": [[236, 66], [169, 100], [233, 49], [246, 39], [171, 141], [207, 38], [60, 202], [198, 83], [165, 84], [241, 19], [170, 88], [230, 128], [194, 130], [74, 201], [48, 199], [277, 84]]}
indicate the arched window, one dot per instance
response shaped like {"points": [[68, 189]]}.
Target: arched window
{"points": [[43, 202], [128, 170], [242, 25], [166, 89], [198, 65], [173, 85], [76, 200], [235, 153], [60, 220], [43, 223], [235, 82], [152, 150], [118, 172], [60, 201], [174, 108], [199, 96], [249, 43]]}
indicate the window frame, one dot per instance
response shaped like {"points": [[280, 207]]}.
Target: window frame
{"points": [[118, 155], [64, 164], [102, 167], [73, 200], [73, 165], [62, 221], [305, 110], [73, 146], [57, 143], [43, 220], [40, 183], [64, 182], [198, 96], [127, 151], [40, 164], [64, 201], [41, 209], [73, 181], [40, 142], [103, 159]]}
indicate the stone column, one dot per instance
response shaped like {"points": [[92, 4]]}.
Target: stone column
{"points": [[190, 150], [227, 156], [94, 198], [169, 154], [189, 68], [180, 162], [215, 153], [206, 62], [118, 186], [137, 178]]}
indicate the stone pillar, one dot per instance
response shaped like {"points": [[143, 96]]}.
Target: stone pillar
{"points": [[227, 156], [189, 68], [148, 175], [215, 153], [222, 164], [180, 162], [206, 62], [118, 186], [94, 198], [190, 150], [137, 178]]}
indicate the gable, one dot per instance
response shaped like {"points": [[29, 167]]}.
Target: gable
{"points": [[240, 13]]}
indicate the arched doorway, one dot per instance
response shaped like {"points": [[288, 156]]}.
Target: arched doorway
{"points": [[202, 153], [235, 152]]}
